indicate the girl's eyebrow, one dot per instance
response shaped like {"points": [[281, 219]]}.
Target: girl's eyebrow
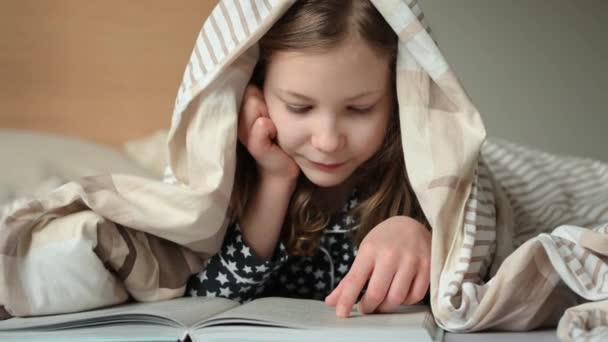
{"points": [[306, 98]]}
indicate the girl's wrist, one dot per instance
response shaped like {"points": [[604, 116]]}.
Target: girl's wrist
{"points": [[277, 182]]}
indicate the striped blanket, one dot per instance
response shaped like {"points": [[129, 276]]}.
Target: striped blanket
{"points": [[535, 246], [520, 237]]}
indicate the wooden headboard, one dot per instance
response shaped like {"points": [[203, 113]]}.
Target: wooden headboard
{"points": [[107, 71]]}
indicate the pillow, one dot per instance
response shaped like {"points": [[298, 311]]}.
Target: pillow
{"points": [[35, 163]]}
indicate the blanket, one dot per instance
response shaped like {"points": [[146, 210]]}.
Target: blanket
{"points": [[520, 239]]}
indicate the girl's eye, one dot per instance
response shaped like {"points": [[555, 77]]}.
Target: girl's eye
{"points": [[361, 110], [298, 109]]}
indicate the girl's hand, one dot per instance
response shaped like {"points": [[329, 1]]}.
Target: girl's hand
{"points": [[257, 133], [395, 258]]}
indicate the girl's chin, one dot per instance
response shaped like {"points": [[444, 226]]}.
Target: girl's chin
{"points": [[324, 180]]}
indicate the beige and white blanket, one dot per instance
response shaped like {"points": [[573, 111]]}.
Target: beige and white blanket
{"points": [[519, 236]]}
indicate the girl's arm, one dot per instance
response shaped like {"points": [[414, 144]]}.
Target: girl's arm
{"points": [[278, 173], [264, 214], [235, 272]]}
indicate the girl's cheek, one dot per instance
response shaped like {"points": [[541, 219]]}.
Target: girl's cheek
{"points": [[284, 132]]}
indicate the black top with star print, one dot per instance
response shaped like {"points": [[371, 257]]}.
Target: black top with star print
{"points": [[236, 273]]}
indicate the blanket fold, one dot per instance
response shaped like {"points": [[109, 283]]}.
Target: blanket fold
{"points": [[519, 236]]}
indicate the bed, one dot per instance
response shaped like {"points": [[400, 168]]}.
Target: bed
{"points": [[95, 95]]}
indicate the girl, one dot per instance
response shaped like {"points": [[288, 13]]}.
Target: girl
{"points": [[321, 196]]}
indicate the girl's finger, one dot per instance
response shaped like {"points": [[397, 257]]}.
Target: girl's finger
{"points": [[332, 298], [253, 106], [259, 139], [398, 291], [353, 283], [419, 287], [379, 283], [270, 127]]}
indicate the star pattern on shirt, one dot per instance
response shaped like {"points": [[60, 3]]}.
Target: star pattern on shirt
{"points": [[318, 274], [221, 277], [231, 250], [225, 292], [246, 251], [261, 268], [232, 266], [349, 220], [235, 272]]}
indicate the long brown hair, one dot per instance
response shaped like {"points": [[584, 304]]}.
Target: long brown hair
{"points": [[321, 25]]}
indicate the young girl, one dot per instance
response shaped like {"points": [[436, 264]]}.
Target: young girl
{"points": [[321, 205]]}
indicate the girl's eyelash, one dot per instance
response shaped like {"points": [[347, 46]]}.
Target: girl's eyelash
{"points": [[298, 109], [361, 110], [304, 109]]}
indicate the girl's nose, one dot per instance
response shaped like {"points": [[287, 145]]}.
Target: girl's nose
{"points": [[327, 138]]}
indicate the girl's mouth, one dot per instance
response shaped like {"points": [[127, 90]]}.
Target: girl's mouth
{"points": [[326, 167]]}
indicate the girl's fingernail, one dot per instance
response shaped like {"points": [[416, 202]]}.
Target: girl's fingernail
{"points": [[342, 311]]}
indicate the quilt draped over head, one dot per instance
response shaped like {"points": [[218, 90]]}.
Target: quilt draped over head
{"points": [[503, 257]]}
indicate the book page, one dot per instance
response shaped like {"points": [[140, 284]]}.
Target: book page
{"points": [[177, 312], [106, 333], [252, 333], [314, 314]]}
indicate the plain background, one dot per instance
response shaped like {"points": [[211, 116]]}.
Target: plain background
{"points": [[536, 69], [94, 69], [106, 71]]}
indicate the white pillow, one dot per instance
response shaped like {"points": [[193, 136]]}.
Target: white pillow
{"points": [[34, 163]]}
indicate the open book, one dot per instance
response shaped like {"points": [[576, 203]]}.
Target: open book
{"points": [[209, 319]]}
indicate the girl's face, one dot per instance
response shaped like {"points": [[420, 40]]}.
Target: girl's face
{"points": [[331, 109]]}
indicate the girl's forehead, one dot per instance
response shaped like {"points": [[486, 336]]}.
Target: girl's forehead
{"points": [[349, 50], [351, 66]]}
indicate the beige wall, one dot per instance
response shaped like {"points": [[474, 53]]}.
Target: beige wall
{"points": [[535, 68], [106, 70]]}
